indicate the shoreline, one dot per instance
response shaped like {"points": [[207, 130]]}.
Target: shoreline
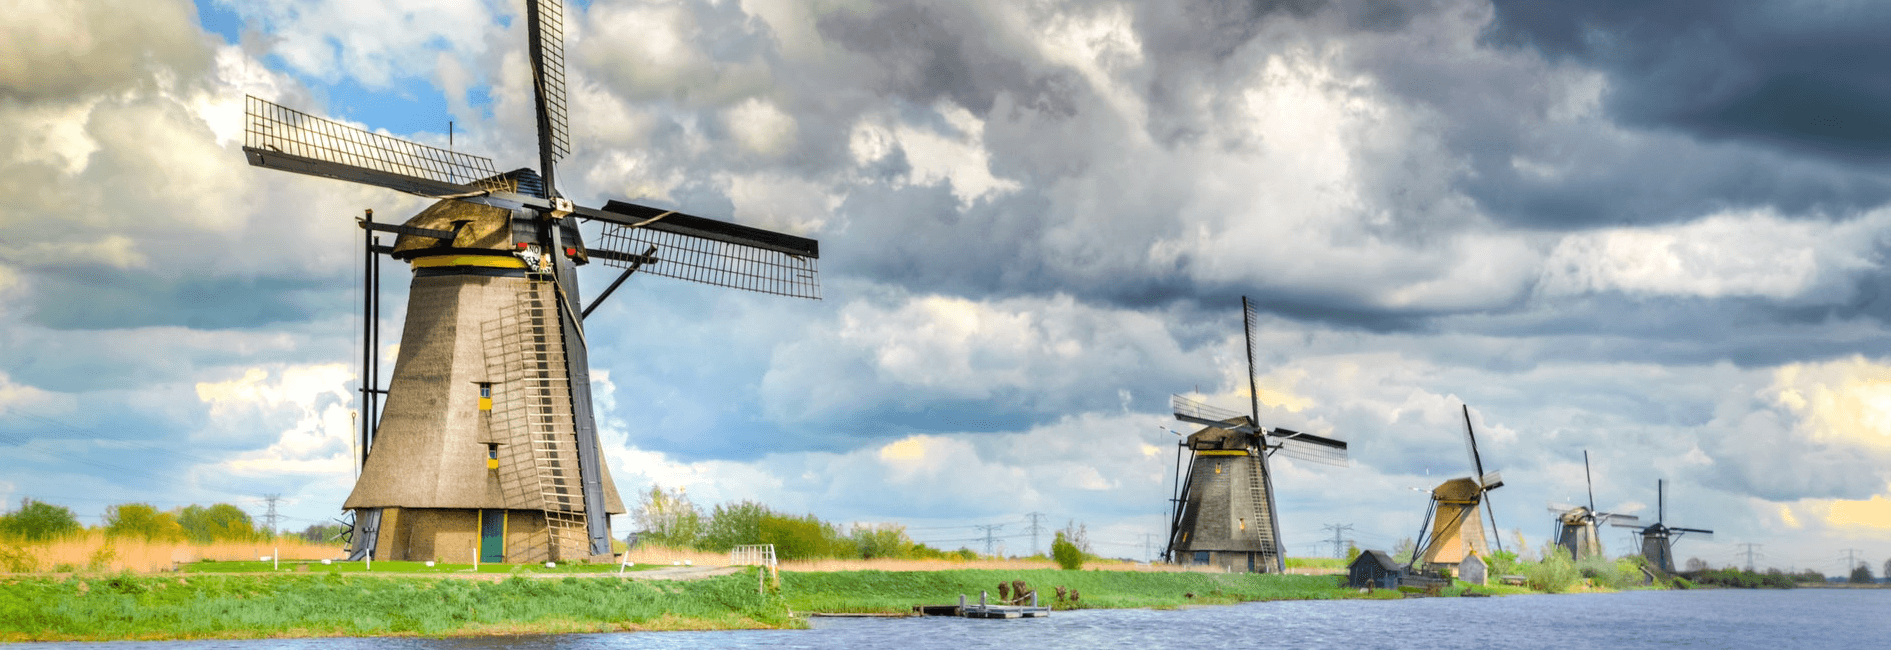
{"points": [[234, 606]]}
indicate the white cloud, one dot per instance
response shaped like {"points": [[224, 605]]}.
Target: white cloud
{"points": [[1753, 253]]}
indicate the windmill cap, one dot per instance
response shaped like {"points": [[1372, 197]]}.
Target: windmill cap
{"points": [[482, 230]]}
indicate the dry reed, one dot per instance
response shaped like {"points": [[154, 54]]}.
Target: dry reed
{"points": [[92, 550]]}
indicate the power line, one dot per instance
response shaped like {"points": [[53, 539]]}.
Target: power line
{"points": [[270, 516], [989, 529], [1339, 548], [1750, 552], [1851, 559], [1035, 529]]}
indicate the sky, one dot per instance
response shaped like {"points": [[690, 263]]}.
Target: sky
{"points": [[1656, 233]]}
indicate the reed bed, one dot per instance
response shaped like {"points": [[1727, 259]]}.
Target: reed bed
{"points": [[92, 550]]}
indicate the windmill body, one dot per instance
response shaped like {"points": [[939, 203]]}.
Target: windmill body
{"points": [[487, 449], [477, 445], [1227, 514], [1224, 512], [1454, 528], [1657, 540], [1576, 526], [1457, 527]]}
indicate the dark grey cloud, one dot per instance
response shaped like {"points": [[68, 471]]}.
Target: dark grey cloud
{"points": [[1800, 76]]}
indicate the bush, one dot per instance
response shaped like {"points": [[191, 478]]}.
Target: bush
{"points": [[38, 521], [142, 521], [1068, 556], [1555, 574]]}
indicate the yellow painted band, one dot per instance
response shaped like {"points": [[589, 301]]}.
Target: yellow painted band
{"points": [[488, 261], [1222, 452]]}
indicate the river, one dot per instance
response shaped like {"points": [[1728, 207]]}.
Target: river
{"points": [[1721, 618]]}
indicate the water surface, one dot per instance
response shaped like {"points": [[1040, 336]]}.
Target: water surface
{"points": [[1734, 619]]}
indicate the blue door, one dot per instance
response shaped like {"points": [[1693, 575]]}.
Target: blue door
{"points": [[492, 535]]}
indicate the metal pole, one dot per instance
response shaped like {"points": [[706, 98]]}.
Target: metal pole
{"points": [[367, 339]]}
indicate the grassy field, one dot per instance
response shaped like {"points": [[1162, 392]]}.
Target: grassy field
{"points": [[127, 606]]}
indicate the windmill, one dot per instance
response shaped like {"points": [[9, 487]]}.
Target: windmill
{"points": [[1453, 528], [1657, 540], [487, 445], [1576, 525], [1223, 512]]}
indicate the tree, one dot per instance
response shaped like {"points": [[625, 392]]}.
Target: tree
{"points": [[1695, 564], [1887, 570], [1352, 551], [1402, 551], [1078, 535], [323, 533], [732, 524], [1862, 573], [38, 521], [668, 518], [882, 540], [803, 538], [143, 521], [1067, 555], [219, 522]]}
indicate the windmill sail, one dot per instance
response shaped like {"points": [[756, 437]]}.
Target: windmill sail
{"points": [[546, 24], [286, 139], [715, 252]]}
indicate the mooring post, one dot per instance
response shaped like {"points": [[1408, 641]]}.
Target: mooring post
{"points": [[981, 600]]}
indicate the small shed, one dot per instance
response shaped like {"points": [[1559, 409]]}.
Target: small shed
{"points": [[1374, 569], [1472, 569]]}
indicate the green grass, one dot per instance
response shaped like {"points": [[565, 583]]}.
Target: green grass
{"points": [[126, 606], [890, 591], [1316, 563], [385, 566]]}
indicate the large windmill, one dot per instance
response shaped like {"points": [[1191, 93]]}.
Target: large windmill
{"points": [[1223, 509], [1453, 527], [1657, 540], [487, 445], [1576, 525]]}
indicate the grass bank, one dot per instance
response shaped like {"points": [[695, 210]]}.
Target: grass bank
{"points": [[899, 591], [208, 606]]}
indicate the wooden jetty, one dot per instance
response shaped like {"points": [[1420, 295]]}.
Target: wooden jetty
{"points": [[982, 609]]}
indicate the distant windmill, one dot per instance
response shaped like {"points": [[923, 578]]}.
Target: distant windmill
{"points": [[1453, 528], [1576, 525], [1224, 512], [488, 439], [1657, 541]]}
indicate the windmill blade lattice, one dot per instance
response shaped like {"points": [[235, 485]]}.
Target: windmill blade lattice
{"points": [[1298, 449], [547, 22], [710, 261], [283, 138], [1191, 411]]}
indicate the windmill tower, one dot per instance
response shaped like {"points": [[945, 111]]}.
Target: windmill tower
{"points": [[1576, 525], [1453, 528], [487, 446], [1657, 541], [1224, 511]]}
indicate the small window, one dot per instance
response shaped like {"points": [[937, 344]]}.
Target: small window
{"points": [[1201, 557], [1217, 468], [492, 455], [485, 396], [1244, 523]]}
